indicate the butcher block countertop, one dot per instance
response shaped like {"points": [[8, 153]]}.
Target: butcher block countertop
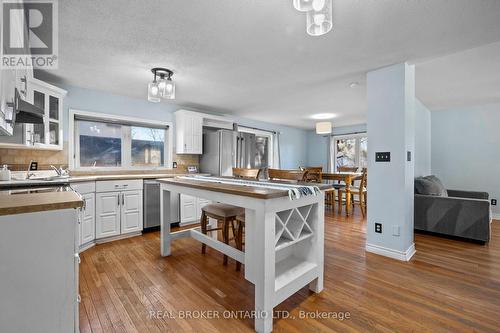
{"points": [[38, 202], [246, 191]]}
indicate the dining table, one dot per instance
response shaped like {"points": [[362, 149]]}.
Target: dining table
{"points": [[347, 178]]}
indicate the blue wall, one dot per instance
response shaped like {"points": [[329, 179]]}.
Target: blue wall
{"points": [[293, 140], [422, 153], [318, 144], [465, 149]]}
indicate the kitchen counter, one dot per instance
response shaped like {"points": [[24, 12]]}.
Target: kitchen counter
{"points": [[38, 202], [75, 179], [246, 191]]}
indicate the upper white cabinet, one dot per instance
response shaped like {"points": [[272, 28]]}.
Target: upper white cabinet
{"points": [[189, 132], [47, 135], [49, 98]]}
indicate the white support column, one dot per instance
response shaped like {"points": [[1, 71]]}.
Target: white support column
{"points": [[319, 238], [391, 128], [165, 205], [263, 266]]}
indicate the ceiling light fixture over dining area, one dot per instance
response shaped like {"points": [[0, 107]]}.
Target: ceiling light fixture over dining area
{"points": [[319, 15]]}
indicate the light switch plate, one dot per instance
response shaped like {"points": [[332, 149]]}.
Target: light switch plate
{"points": [[383, 156]]}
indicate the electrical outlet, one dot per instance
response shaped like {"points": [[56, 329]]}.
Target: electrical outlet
{"points": [[493, 202], [395, 230], [378, 228]]}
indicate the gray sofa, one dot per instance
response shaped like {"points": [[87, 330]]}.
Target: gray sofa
{"points": [[464, 214]]}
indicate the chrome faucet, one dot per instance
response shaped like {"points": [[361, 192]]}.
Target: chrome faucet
{"points": [[58, 171], [28, 173]]}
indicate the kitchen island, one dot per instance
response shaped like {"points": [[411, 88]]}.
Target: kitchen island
{"points": [[39, 262], [284, 235]]}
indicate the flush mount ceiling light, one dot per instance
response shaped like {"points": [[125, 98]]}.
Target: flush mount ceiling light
{"points": [[324, 127], [319, 16], [163, 87], [320, 116], [303, 5]]}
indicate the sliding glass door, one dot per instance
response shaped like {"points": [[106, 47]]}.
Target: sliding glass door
{"points": [[349, 151]]}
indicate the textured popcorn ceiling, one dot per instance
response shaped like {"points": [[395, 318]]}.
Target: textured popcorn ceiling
{"points": [[253, 58]]}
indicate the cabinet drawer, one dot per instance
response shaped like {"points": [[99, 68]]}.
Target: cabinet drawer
{"points": [[118, 185], [83, 187]]}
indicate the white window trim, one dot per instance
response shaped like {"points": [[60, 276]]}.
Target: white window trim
{"points": [[74, 154], [334, 148], [267, 134]]}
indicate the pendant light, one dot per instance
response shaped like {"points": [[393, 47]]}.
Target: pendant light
{"points": [[303, 5], [324, 127], [319, 20], [162, 88]]}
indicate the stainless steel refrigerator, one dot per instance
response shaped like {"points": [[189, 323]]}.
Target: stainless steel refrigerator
{"points": [[224, 149]]}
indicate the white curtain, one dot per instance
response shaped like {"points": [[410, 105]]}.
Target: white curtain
{"points": [[330, 153], [276, 151]]}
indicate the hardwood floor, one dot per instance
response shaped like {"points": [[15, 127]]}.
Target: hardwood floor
{"points": [[449, 286]]}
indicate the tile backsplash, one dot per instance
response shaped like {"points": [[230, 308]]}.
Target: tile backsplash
{"points": [[19, 159]]}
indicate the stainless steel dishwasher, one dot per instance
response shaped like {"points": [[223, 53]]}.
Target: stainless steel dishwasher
{"points": [[152, 206]]}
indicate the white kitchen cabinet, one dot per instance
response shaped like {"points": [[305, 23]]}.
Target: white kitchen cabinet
{"points": [[189, 132], [191, 208], [119, 208], [131, 211], [87, 220], [200, 204], [188, 208], [49, 98], [86, 225], [108, 214]]}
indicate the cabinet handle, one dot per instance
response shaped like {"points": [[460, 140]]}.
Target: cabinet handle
{"points": [[118, 199], [123, 199]]}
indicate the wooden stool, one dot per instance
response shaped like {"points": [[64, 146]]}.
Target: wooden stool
{"points": [[223, 213], [240, 220]]}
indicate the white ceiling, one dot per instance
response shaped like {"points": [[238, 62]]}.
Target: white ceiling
{"points": [[252, 58]]}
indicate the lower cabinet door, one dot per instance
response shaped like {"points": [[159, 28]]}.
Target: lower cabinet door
{"points": [[107, 214], [87, 223], [200, 204], [188, 208], [131, 211]]}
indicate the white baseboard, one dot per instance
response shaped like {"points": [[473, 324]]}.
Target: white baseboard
{"points": [[496, 217], [391, 253]]}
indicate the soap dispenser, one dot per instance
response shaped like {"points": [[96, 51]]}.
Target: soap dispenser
{"points": [[5, 173]]}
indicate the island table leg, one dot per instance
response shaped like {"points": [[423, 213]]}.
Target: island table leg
{"points": [[165, 206], [263, 254]]}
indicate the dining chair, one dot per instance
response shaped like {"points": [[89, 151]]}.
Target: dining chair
{"points": [[246, 173], [289, 175], [315, 175], [359, 191]]}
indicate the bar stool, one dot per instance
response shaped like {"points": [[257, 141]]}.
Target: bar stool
{"points": [[240, 223], [224, 214]]}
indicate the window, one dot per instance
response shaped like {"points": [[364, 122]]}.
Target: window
{"points": [[112, 142], [349, 151], [100, 144], [148, 146]]}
